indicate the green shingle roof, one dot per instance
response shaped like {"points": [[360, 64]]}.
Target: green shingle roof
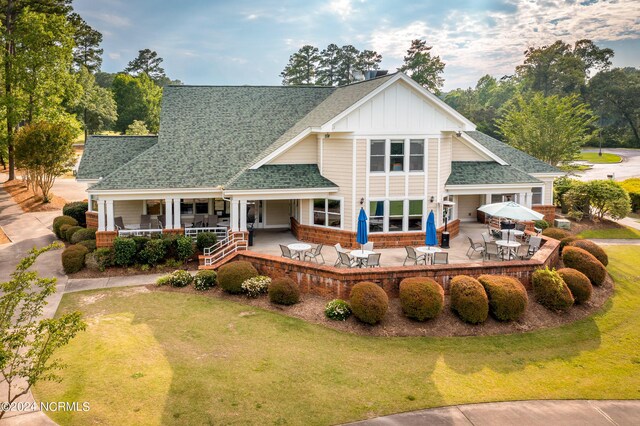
{"points": [[486, 173], [511, 155], [212, 134], [103, 154], [281, 176]]}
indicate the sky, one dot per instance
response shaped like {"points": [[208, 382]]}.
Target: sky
{"points": [[249, 41]]}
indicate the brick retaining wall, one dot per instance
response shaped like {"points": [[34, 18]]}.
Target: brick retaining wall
{"points": [[333, 282], [347, 239], [549, 212], [105, 238]]}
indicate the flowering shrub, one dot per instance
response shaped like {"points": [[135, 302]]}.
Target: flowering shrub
{"points": [[180, 278], [204, 280], [337, 310], [256, 286]]}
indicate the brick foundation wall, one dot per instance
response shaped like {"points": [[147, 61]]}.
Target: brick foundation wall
{"points": [[105, 238], [347, 239], [92, 219], [548, 211], [331, 282], [178, 231]]}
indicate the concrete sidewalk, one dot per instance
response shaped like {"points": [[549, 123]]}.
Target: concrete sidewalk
{"points": [[529, 413], [83, 284]]}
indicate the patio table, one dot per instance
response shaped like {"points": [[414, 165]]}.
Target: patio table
{"points": [[223, 223], [299, 248], [428, 250], [361, 256], [510, 246]]}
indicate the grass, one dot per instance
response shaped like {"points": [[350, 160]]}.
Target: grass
{"points": [[611, 233], [167, 358], [594, 158]]}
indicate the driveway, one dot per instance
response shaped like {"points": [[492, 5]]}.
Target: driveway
{"points": [[629, 167]]}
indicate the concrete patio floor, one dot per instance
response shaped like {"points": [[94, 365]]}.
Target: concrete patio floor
{"points": [[268, 241]]}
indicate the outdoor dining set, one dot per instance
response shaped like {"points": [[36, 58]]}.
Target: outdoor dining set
{"points": [[364, 257], [159, 222]]}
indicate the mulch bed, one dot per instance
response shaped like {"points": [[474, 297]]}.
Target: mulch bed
{"points": [[121, 272], [395, 324], [3, 237], [28, 200]]}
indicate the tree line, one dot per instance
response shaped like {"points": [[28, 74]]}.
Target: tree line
{"points": [[50, 72]]}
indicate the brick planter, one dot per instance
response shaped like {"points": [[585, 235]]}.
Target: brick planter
{"points": [[92, 219], [105, 238], [178, 231]]}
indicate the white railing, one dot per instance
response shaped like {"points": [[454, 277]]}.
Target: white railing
{"points": [[224, 248], [220, 231], [138, 232]]}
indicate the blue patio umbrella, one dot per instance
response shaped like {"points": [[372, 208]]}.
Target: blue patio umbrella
{"points": [[431, 238], [361, 235]]}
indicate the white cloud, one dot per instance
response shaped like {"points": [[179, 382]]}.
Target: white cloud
{"points": [[252, 17], [109, 19], [471, 42], [114, 55], [342, 8]]}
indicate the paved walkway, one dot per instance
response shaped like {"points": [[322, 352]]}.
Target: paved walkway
{"points": [[530, 413], [626, 169], [616, 242]]}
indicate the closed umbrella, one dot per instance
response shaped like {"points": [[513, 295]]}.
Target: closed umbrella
{"points": [[431, 238], [361, 235]]}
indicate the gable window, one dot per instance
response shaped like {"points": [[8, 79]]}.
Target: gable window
{"points": [[377, 156], [396, 163], [327, 212], [416, 155], [536, 195]]}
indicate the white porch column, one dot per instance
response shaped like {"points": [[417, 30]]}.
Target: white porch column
{"points": [[168, 214], [110, 219], [102, 226], [243, 215], [176, 213], [233, 220], [89, 203]]}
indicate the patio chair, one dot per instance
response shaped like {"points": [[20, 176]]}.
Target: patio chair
{"points": [[145, 221], [534, 244], [368, 247], [474, 248], [523, 252], [315, 254], [521, 227], [412, 255], [212, 220], [345, 260], [372, 261], [198, 221], [492, 249], [506, 234], [162, 221], [486, 237], [286, 252], [339, 250], [440, 258], [119, 223]]}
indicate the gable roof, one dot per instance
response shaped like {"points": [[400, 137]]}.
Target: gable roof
{"points": [[486, 173], [103, 154], [514, 157], [282, 176]]}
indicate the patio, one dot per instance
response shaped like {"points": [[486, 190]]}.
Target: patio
{"points": [[267, 241]]}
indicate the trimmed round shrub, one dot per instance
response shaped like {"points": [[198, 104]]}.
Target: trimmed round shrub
{"points": [[585, 262], [204, 279], [469, 299], [83, 235], [594, 249], [73, 258], [62, 220], [68, 233], [541, 224], [507, 296], [421, 298], [140, 242], [233, 274], [578, 284], [369, 302], [63, 230], [205, 239], [184, 247], [550, 290], [164, 280], [154, 252], [124, 251], [556, 233], [284, 291], [180, 278], [89, 244], [77, 210], [254, 287], [567, 241], [337, 310]]}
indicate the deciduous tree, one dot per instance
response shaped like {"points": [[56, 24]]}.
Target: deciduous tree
{"points": [[137, 128], [137, 98], [422, 67], [599, 198], [97, 109]]}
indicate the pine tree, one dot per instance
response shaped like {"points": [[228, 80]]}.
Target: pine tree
{"points": [[422, 67], [302, 67], [328, 68]]}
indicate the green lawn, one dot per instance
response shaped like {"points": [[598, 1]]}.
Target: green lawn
{"points": [[594, 158], [612, 233], [163, 358]]}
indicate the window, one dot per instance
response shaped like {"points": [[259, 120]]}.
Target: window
{"points": [[377, 156], [415, 215], [154, 207], [502, 198], [327, 212], [536, 195], [202, 206], [376, 216], [416, 155], [396, 214], [396, 160]]}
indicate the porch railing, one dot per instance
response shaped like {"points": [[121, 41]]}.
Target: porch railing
{"points": [[220, 231], [138, 232], [224, 248]]}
